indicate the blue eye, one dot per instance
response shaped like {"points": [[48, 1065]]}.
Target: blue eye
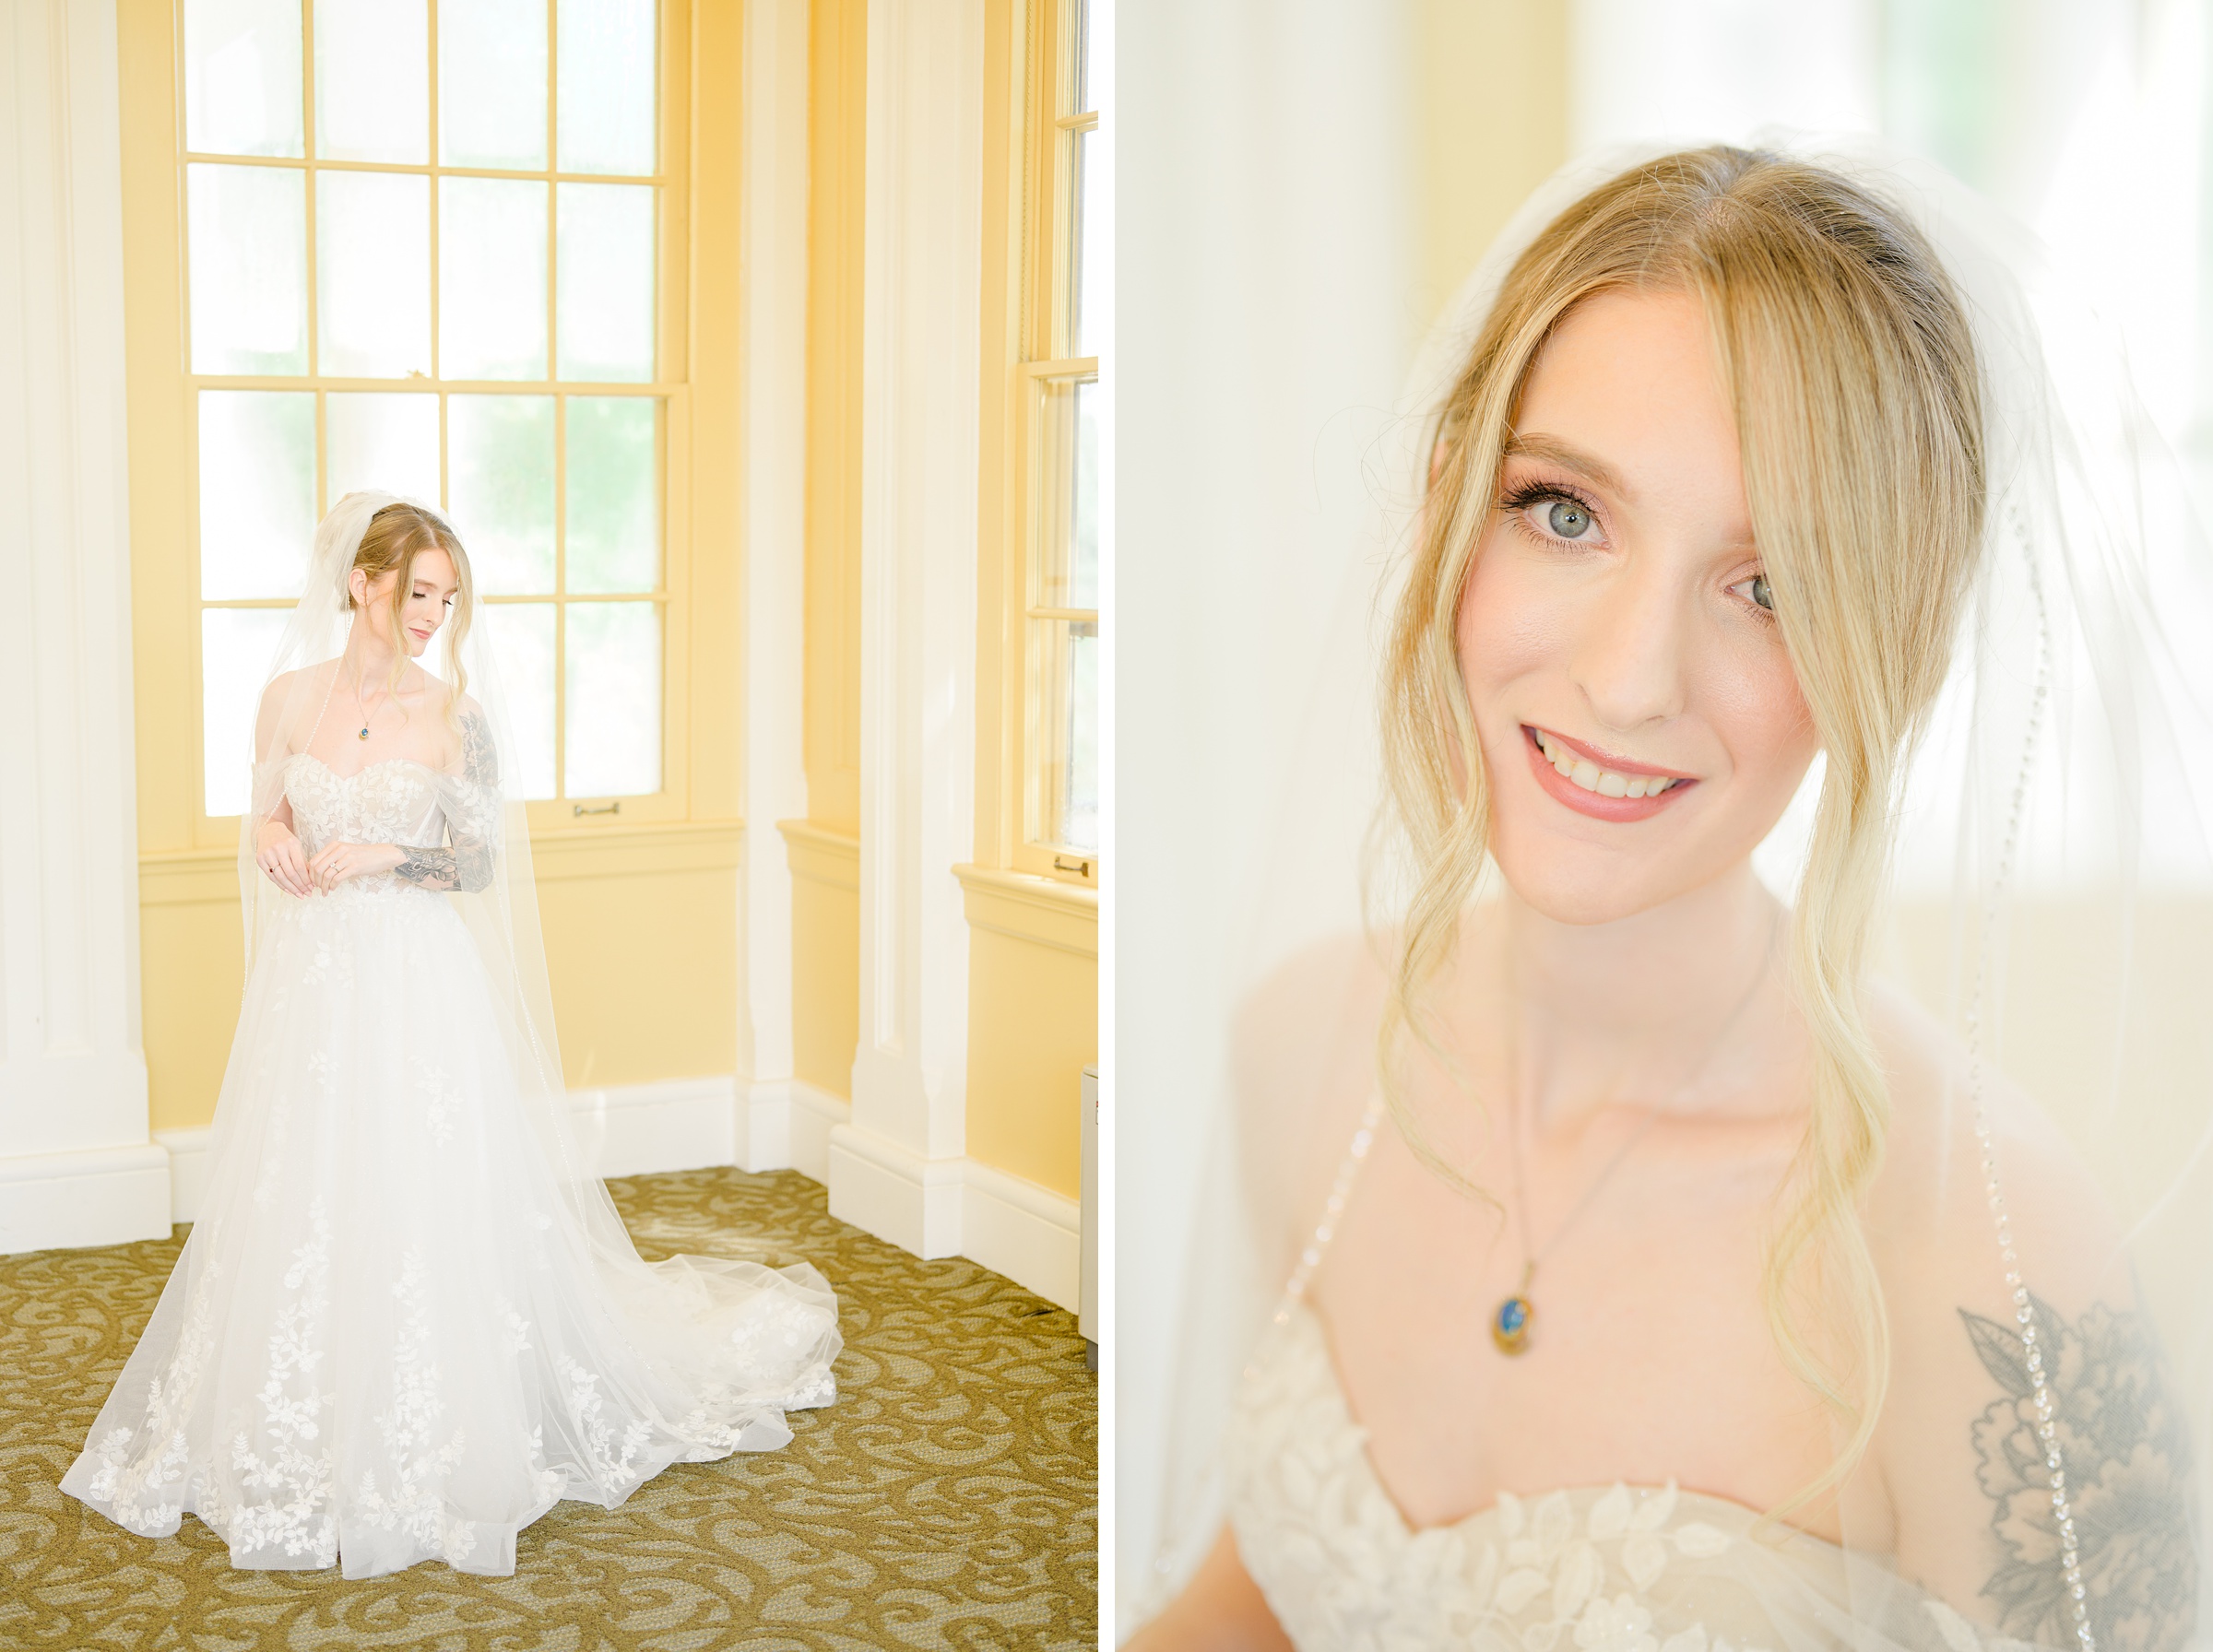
{"points": [[1568, 519]]}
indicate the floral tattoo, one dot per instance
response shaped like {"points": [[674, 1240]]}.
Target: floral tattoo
{"points": [[2126, 1451]]}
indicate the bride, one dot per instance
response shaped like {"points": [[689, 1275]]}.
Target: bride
{"points": [[1670, 1282], [408, 1319]]}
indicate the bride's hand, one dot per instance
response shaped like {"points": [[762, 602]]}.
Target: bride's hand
{"points": [[277, 852], [338, 862]]}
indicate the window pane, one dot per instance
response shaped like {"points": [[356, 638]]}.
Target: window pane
{"points": [[372, 268], [606, 282], [614, 516], [607, 86], [242, 77], [491, 293], [492, 84], [237, 647], [1083, 505], [249, 268], [1079, 809], [522, 641], [1083, 248], [382, 441], [258, 491], [1080, 25], [614, 699], [372, 91], [1067, 573], [501, 486]]}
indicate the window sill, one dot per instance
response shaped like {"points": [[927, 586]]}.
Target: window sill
{"points": [[1042, 910], [199, 876]]}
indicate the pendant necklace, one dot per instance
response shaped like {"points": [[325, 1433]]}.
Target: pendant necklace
{"points": [[1512, 1320], [364, 705]]}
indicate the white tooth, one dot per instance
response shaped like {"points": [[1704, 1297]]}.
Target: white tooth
{"points": [[1585, 774], [1657, 786], [1611, 785], [1637, 785], [1565, 764]]}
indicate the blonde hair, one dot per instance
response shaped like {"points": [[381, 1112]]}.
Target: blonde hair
{"points": [[1849, 366], [395, 536]]}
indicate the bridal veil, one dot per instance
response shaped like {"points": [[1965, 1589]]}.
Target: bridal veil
{"points": [[2050, 900]]}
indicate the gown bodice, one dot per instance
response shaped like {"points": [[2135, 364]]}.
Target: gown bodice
{"points": [[1588, 1569], [395, 801]]}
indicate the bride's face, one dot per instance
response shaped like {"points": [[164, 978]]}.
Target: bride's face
{"points": [[430, 598], [1639, 715]]}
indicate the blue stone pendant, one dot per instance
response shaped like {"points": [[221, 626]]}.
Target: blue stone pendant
{"points": [[1509, 1324]]}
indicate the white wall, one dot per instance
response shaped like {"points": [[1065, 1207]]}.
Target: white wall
{"points": [[76, 1165]]}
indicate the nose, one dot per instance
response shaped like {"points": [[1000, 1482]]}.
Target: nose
{"points": [[1630, 647]]}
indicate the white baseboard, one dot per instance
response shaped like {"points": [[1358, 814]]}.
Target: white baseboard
{"points": [[930, 1207], [814, 1115], [896, 1194], [642, 1130], [96, 1195], [1030, 1233], [188, 1164]]}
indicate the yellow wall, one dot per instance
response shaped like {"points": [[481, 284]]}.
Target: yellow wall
{"points": [[639, 917], [1492, 124]]}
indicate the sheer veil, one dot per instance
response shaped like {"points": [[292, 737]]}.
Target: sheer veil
{"points": [[2050, 1403]]}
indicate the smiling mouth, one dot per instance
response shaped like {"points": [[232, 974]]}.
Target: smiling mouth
{"points": [[1617, 791]]}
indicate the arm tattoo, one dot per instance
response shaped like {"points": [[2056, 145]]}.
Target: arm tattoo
{"points": [[468, 865], [2126, 1450]]}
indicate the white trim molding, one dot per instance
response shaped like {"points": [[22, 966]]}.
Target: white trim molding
{"points": [[76, 1163], [895, 1169], [772, 304], [98, 1195]]}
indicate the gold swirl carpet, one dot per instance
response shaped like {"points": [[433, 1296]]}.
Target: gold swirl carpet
{"points": [[949, 1499]]}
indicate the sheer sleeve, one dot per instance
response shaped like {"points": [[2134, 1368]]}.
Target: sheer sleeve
{"points": [[470, 803]]}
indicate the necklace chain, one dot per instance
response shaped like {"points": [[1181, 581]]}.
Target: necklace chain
{"points": [[1510, 1321]]}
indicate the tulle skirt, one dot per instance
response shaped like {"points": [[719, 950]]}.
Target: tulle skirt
{"points": [[405, 1324]]}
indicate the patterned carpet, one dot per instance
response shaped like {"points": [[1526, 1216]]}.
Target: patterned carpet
{"points": [[949, 1499]]}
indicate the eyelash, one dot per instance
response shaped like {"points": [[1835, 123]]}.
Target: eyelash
{"points": [[1534, 493], [1540, 493]]}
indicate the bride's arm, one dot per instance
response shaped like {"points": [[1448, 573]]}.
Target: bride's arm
{"points": [[464, 863], [1221, 1609], [467, 865]]}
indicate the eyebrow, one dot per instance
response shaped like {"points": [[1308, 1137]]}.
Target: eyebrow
{"points": [[1551, 449]]}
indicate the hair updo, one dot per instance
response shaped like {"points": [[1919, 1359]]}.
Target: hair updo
{"points": [[1848, 360]]}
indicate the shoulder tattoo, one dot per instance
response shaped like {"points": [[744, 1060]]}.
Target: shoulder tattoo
{"points": [[2125, 1448]]}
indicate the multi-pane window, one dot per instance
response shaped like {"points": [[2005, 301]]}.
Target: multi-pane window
{"points": [[421, 254], [1060, 802]]}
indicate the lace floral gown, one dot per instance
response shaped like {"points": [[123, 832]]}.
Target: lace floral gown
{"points": [[392, 1336], [1586, 1569]]}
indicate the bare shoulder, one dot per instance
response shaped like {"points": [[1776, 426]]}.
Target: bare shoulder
{"points": [[1991, 1329], [1932, 1190], [1303, 1065]]}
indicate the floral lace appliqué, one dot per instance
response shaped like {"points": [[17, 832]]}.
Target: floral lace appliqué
{"points": [[416, 1470], [1341, 1568], [295, 1477]]}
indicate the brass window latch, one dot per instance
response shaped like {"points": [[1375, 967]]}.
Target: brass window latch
{"points": [[605, 809], [1062, 864]]}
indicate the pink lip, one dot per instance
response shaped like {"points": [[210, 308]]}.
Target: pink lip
{"points": [[1590, 803]]}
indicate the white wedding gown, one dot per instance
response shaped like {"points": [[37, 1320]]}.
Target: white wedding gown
{"points": [[393, 1334], [1582, 1569]]}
